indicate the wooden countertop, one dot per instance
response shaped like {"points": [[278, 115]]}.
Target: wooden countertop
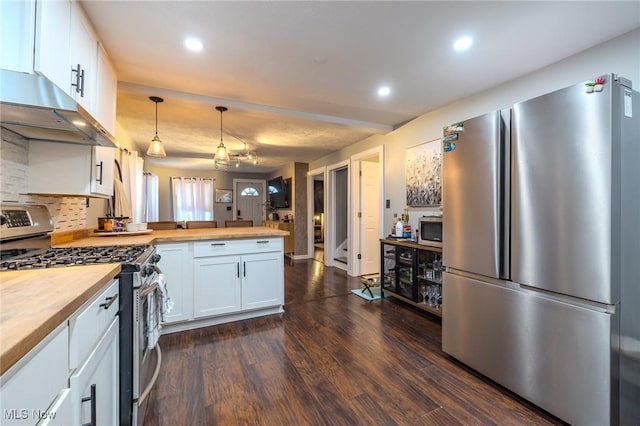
{"points": [[177, 235], [35, 302]]}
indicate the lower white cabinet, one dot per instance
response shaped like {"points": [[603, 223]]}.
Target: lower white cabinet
{"points": [[30, 387], [230, 280], [52, 384], [262, 280], [94, 387], [176, 262], [216, 286]]}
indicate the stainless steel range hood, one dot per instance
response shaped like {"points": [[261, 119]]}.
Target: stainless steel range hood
{"points": [[36, 109]]}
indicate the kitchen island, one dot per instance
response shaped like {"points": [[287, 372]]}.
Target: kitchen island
{"points": [[35, 302]]}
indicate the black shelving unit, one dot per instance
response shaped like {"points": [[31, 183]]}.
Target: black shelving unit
{"points": [[406, 268]]}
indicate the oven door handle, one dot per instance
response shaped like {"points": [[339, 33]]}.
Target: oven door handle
{"points": [[149, 289], [145, 394]]}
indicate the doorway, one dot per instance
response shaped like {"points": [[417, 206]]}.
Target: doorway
{"points": [[249, 199], [316, 204], [336, 219], [367, 184]]}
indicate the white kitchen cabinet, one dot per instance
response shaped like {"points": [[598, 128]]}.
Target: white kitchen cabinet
{"points": [[30, 387], [69, 169], [262, 280], [94, 359], [63, 409], [83, 56], [54, 38], [231, 280], [226, 284], [17, 29], [216, 286], [94, 386], [52, 42], [106, 92], [176, 264]]}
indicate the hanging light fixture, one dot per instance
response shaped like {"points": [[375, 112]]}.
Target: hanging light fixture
{"points": [[221, 152], [223, 158], [155, 148]]}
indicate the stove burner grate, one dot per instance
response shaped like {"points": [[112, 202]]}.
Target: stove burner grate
{"points": [[58, 257]]}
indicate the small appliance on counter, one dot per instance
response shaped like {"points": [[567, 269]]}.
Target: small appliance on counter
{"points": [[430, 231]]}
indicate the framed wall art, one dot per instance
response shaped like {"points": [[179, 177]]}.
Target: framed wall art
{"points": [[424, 174], [224, 195]]}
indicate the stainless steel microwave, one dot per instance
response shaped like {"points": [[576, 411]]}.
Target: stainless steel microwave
{"points": [[430, 231]]}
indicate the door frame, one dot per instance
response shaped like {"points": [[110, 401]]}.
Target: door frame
{"points": [[330, 219], [310, 207], [236, 195], [355, 226]]}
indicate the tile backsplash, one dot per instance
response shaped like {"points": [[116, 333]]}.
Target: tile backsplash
{"points": [[69, 213]]}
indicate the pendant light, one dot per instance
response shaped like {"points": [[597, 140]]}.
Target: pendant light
{"points": [[155, 148], [222, 154]]}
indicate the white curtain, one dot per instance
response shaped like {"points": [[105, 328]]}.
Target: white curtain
{"points": [[151, 205], [132, 179], [192, 198]]}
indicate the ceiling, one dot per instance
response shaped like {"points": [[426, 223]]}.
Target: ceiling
{"points": [[300, 77]]}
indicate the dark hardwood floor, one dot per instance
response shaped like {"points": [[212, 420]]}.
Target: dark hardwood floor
{"points": [[332, 358]]}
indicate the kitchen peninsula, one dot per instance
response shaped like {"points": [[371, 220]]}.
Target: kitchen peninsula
{"points": [[42, 299]]}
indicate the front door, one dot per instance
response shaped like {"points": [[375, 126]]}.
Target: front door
{"points": [[249, 200]]}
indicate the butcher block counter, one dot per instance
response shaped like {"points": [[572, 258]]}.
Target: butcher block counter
{"points": [[35, 302], [175, 235]]}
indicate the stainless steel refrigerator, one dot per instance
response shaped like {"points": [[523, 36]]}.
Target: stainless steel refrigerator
{"points": [[541, 243]]}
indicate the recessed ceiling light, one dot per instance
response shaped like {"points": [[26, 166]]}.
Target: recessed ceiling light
{"points": [[384, 91], [463, 43], [193, 44], [79, 123]]}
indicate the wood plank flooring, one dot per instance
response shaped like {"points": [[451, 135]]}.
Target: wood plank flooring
{"points": [[331, 359]]}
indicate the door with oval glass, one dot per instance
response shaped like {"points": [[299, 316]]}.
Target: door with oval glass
{"points": [[249, 200]]}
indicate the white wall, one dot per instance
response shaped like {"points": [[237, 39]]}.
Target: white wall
{"points": [[620, 55]]}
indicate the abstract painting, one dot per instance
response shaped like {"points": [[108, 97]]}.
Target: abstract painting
{"points": [[424, 174]]}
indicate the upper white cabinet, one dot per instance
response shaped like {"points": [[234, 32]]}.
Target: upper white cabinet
{"points": [[52, 42], [17, 29], [54, 38], [106, 91], [68, 169], [83, 57]]}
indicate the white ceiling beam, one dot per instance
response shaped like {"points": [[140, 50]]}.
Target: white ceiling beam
{"points": [[376, 128]]}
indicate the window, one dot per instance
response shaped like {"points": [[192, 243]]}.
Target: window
{"points": [[192, 198], [250, 192]]}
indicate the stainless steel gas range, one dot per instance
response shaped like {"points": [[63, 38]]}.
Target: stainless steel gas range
{"points": [[25, 244]]}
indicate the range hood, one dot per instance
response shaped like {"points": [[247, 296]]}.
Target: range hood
{"points": [[36, 109]]}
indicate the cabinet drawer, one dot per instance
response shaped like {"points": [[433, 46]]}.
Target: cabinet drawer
{"points": [[86, 327], [229, 247]]}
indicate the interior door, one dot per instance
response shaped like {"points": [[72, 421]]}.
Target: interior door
{"points": [[370, 217], [249, 201]]}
